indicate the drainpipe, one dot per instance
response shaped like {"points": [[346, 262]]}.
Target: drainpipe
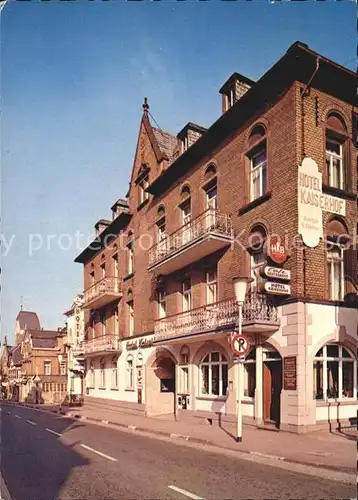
{"points": [[304, 262]]}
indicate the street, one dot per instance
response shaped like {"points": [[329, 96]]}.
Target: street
{"points": [[44, 456]]}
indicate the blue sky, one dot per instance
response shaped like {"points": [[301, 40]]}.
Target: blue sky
{"points": [[73, 78]]}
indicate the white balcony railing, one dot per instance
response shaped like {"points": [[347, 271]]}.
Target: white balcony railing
{"points": [[103, 291], [104, 344], [211, 222], [258, 309]]}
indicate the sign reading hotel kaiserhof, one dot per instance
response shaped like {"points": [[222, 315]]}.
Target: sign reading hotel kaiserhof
{"points": [[312, 201]]}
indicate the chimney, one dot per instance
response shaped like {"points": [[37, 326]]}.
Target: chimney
{"points": [[189, 134], [121, 206], [101, 225], [233, 89]]}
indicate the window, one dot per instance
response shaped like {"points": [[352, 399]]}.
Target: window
{"points": [[63, 368], [92, 278], [230, 100], [129, 373], [103, 270], [47, 368], [211, 196], [185, 209], [184, 370], [115, 265], [90, 379], [211, 286], [103, 322], [130, 306], [258, 174], [335, 263], [214, 374], [334, 162], [130, 252], [102, 374], [186, 295], [114, 374], [334, 373], [116, 321], [162, 306], [142, 186], [250, 374], [258, 259]]}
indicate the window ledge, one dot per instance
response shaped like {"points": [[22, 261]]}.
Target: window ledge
{"points": [[114, 389], [129, 390], [102, 388], [255, 203], [212, 398], [340, 193], [128, 276], [341, 402], [142, 204]]}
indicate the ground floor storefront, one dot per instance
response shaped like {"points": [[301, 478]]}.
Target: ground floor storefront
{"points": [[299, 378]]}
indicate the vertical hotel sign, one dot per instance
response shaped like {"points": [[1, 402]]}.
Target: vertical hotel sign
{"points": [[312, 202]]}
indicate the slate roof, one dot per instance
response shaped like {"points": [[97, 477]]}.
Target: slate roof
{"points": [[29, 320], [167, 143], [43, 339]]}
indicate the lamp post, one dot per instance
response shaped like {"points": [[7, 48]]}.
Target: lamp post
{"points": [[240, 288]]}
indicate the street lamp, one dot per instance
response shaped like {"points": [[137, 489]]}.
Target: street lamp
{"points": [[240, 288]]}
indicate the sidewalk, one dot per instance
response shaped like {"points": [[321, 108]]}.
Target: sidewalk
{"points": [[336, 451]]}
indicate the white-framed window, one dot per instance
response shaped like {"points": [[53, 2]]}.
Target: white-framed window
{"points": [[212, 196], [63, 368], [257, 260], [186, 218], [129, 373], [115, 265], [102, 374], [250, 375], [258, 174], [334, 163], [162, 304], [90, 377], [229, 99], [47, 368], [114, 374], [214, 374], [335, 263], [184, 370], [186, 295], [334, 373], [130, 306], [211, 286], [142, 186], [130, 252]]}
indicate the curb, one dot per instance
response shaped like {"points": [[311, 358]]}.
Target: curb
{"points": [[182, 437]]}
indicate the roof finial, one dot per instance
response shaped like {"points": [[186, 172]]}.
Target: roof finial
{"points": [[145, 105], [21, 305]]}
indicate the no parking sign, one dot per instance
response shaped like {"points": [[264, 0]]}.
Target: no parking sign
{"points": [[240, 345]]}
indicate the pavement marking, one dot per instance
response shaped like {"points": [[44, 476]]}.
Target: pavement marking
{"points": [[185, 493], [53, 432], [17, 416], [99, 453], [30, 422]]}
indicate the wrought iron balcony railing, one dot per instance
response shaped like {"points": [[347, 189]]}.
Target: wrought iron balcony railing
{"points": [[259, 314], [211, 222], [104, 344], [103, 292]]}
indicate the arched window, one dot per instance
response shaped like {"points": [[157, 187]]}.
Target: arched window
{"points": [[129, 373], [256, 247], [337, 235], [336, 135], [257, 156], [161, 227], [210, 171], [214, 374], [102, 373], [130, 253], [210, 188], [334, 373], [185, 212], [114, 370], [130, 312], [184, 370]]}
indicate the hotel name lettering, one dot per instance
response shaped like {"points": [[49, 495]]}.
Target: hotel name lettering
{"points": [[310, 193], [141, 344]]}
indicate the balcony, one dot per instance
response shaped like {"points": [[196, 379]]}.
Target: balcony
{"points": [[259, 316], [77, 349], [206, 234], [102, 293], [107, 344]]}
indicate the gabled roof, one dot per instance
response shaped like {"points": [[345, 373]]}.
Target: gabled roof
{"points": [[28, 319], [16, 354]]}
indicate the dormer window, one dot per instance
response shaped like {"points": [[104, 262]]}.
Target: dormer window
{"points": [[233, 89], [189, 135]]}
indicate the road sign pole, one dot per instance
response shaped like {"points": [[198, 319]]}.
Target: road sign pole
{"points": [[239, 382]]}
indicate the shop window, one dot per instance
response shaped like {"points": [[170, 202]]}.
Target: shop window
{"points": [[214, 374], [334, 373], [129, 373]]}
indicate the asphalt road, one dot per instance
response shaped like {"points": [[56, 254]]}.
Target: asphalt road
{"points": [[46, 457]]}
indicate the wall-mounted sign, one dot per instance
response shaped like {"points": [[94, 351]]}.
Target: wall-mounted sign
{"points": [[131, 345], [276, 250], [142, 344], [277, 288], [276, 273], [311, 203], [289, 373]]}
